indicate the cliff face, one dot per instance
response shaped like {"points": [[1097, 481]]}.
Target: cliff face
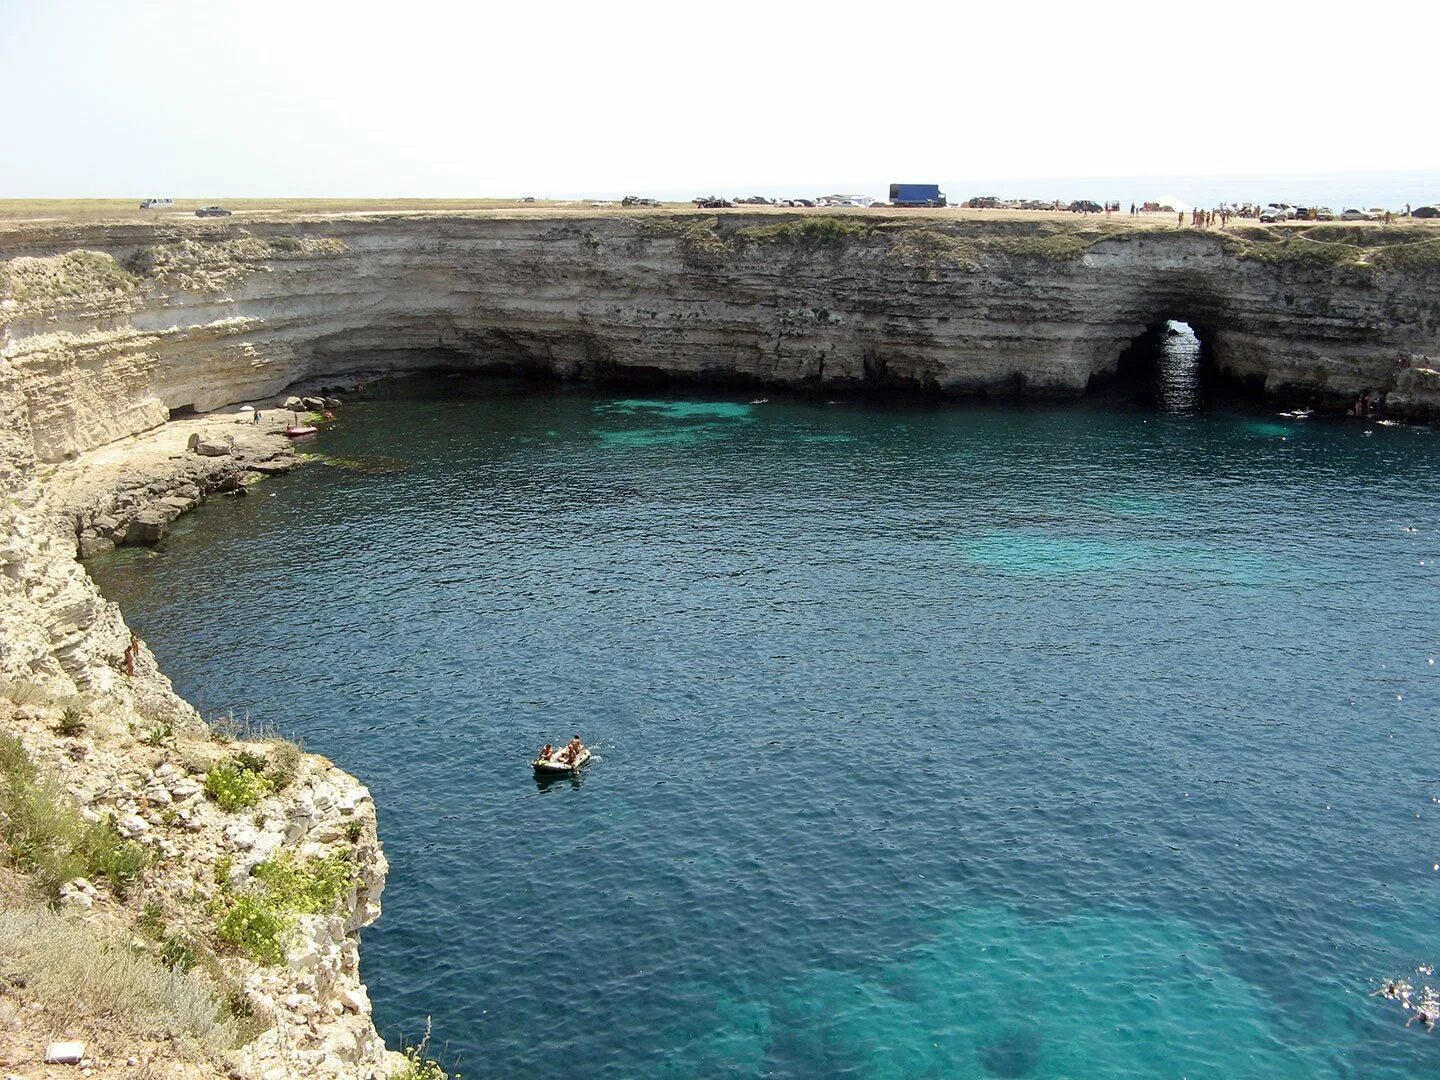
{"points": [[108, 328], [85, 704]]}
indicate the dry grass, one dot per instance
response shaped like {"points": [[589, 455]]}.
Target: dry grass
{"points": [[43, 834], [71, 969], [36, 284]]}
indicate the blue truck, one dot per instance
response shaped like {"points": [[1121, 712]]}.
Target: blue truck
{"points": [[916, 195]]}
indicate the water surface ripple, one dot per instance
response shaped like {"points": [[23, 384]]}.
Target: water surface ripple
{"points": [[933, 741]]}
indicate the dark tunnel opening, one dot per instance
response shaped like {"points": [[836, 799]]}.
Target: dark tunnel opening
{"points": [[1169, 367]]}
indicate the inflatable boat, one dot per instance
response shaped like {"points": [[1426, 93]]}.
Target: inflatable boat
{"points": [[553, 764], [303, 429]]}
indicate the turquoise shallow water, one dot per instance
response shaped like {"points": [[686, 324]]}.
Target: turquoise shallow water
{"points": [[933, 740]]}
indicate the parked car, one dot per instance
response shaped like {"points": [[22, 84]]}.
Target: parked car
{"points": [[803, 202], [1426, 212], [712, 202], [1086, 206], [1356, 215], [527, 198], [1324, 214], [1272, 214], [636, 200], [212, 211], [157, 204]]}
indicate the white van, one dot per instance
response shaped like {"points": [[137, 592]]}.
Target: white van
{"points": [[158, 204]]}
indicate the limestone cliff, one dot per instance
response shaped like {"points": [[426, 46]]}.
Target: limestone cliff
{"points": [[83, 706], [107, 329]]}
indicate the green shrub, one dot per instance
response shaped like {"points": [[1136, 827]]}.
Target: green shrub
{"points": [[307, 886], [255, 928], [72, 722], [260, 923], [251, 761], [354, 830], [157, 734], [175, 951], [810, 232], [44, 834], [419, 1067], [234, 785]]}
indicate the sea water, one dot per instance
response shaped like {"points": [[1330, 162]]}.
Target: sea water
{"points": [[932, 739]]}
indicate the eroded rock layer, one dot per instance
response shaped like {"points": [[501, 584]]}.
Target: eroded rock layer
{"points": [[109, 328]]}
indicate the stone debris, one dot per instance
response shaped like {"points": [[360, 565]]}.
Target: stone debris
{"points": [[64, 1053]]}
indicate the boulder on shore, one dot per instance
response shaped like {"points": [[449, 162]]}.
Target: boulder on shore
{"points": [[90, 546], [214, 445], [293, 404], [150, 525], [314, 404]]}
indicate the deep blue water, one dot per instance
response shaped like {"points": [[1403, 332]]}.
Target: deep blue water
{"points": [[934, 740]]}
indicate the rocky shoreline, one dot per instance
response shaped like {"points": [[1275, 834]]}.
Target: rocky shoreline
{"points": [[85, 706], [154, 491]]}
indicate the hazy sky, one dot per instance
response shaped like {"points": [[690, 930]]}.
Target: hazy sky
{"points": [[423, 97]]}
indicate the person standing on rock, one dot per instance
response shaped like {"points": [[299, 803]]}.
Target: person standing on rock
{"points": [[131, 651]]}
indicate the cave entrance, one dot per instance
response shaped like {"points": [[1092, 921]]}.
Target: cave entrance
{"points": [[180, 412], [1167, 366]]}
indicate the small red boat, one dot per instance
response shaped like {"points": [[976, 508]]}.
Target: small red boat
{"points": [[303, 429]]}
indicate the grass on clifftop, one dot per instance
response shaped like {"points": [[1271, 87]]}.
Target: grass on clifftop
{"points": [[810, 232], [1359, 247], [73, 970], [38, 284], [709, 241], [43, 834]]}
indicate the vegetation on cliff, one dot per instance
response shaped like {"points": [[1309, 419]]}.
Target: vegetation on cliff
{"points": [[43, 834], [211, 263], [123, 918], [810, 233], [1354, 247], [76, 278], [80, 972], [260, 919], [711, 241]]}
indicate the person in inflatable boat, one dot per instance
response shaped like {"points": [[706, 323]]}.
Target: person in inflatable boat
{"points": [[572, 751]]}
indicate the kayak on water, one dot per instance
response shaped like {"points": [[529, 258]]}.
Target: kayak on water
{"points": [[554, 764]]}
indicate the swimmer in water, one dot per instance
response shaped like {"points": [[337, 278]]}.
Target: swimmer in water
{"points": [[1395, 988]]}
